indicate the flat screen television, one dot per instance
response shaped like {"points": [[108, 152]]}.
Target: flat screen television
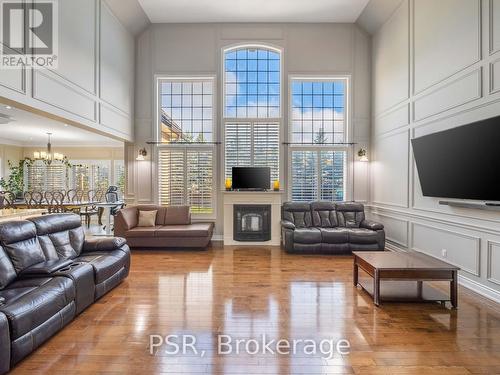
{"points": [[462, 163], [251, 178]]}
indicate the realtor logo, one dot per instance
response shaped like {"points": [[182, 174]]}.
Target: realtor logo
{"points": [[29, 34]]}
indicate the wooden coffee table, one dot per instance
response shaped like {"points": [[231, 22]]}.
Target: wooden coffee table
{"points": [[399, 277]]}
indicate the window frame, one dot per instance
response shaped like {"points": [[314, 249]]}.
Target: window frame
{"points": [[251, 120], [156, 123], [346, 146], [235, 47]]}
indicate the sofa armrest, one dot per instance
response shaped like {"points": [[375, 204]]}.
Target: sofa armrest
{"points": [[2, 301], [373, 225], [4, 344], [45, 268], [285, 224], [125, 219], [103, 244]]}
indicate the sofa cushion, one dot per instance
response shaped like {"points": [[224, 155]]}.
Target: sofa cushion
{"points": [[147, 218], [177, 215], [19, 241], [191, 230], [362, 236], [307, 235], [350, 215], [335, 235], [139, 232], [105, 263], [297, 213], [30, 302], [60, 235], [324, 214], [7, 271]]}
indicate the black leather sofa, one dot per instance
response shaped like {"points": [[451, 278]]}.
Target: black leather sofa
{"points": [[49, 273], [329, 228]]}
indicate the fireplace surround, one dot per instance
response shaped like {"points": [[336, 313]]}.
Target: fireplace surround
{"points": [[252, 222]]}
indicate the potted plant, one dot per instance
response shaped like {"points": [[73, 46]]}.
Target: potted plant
{"points": [[15, 182]]}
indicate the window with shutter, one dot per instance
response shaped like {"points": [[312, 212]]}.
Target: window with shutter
{"points": [[252, 145], [186, 155], [186, 177], [317, 134]]}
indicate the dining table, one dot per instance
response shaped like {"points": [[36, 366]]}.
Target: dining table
{"points": [[45, 204]]}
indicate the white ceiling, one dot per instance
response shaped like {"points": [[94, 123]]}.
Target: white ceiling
{"points": [[27, 129], [179, 11]]}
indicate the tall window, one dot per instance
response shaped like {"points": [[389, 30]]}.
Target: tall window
{"points": [[90, 174], [317, 134], [252, 109], [252, 145], [186, 157]]}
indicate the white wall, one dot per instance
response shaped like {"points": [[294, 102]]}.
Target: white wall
{"points": [[435, 67], [93, 84], [196, 49]]}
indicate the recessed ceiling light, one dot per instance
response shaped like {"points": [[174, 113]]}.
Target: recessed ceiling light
{"points": [[65, 124], [8, 107]]}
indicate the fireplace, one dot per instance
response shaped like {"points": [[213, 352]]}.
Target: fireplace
{"points": [[252, 222]]}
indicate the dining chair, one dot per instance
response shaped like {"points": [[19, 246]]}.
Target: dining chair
{"points": [[35, 199], [89, 210], [56, 204], [7, 199]]}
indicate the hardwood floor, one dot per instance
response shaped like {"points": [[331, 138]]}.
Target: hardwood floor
{"points": [[246, 292]]}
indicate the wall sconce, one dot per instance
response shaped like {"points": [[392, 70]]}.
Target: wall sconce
{"points": [[142, 155], [362, 155]]}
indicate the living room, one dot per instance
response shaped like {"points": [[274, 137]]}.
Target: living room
{"points": [[253, 187]]}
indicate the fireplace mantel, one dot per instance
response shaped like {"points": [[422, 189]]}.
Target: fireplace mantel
{"points": [[272, 198]]}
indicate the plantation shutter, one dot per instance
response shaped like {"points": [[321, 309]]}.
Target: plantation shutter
{"points": [[332, 164], [252, 145], [171, 177], [238, 146], [43, 177], [199, 181], [304, 176]]}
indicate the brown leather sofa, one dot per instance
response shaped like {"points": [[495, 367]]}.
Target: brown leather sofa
{"points": [[49, 273], [173, 228]]}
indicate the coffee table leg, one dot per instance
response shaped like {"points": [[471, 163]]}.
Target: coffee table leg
{"points": [[454, 290], [355, 272], [376, 289]]}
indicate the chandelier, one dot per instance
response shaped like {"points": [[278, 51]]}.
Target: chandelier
{"points": [[48, 156]]}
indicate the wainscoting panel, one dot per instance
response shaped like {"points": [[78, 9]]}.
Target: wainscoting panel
{"points": [[52, 91], [114, 119], [77, 44], [396, 230], [391, 61], [462, 249], [14, 79], [495, 76], [436, 57], [393, 120], [456, 93], [494, 31], [390, 169], [116, 62], [493, 273]]}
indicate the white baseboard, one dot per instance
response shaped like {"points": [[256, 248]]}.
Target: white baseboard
{"points": [[473, 285], [479, 288]]}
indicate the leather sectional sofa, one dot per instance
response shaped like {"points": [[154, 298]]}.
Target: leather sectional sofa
{"points": [[329, 228], [49, 273], [173, 228]]}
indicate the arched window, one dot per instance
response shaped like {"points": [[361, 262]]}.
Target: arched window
{"points": [[252, 82]]}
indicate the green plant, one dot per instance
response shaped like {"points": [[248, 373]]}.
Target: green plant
{"points": [[15, 182]]}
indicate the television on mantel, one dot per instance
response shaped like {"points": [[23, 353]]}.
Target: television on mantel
{"points": [[461, 163], [251, 178]]}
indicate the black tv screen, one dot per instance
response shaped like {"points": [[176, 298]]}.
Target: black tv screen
{"points": [[461, 163], [256, 178]]}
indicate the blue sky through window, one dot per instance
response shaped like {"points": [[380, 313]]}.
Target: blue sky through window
{"points": [[252, 83]]}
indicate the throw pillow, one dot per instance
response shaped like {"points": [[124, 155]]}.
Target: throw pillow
{"points": [[147, 218]]}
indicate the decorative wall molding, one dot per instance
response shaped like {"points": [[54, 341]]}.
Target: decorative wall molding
{"points": [[477, 247], [395, 119], [479, 288], [388, 236], [491, 33], [491, 245], [445, 97], [413, 54], [58, 94]]}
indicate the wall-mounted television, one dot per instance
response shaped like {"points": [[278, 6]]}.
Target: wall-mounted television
{"points": [[251, 178], [462, 162]]}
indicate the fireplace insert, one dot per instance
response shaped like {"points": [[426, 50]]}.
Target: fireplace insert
{"points": [[252, 222]]}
